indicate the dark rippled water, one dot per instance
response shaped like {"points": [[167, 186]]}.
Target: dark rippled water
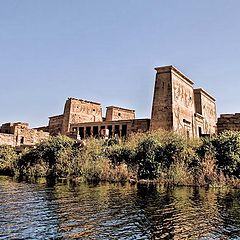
{"points": [[65, 211]]}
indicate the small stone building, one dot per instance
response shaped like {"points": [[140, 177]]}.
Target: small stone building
{"points": [[19, 134], [178, 107]]}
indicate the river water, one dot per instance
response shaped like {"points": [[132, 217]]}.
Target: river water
{"points": [[113, 211]]}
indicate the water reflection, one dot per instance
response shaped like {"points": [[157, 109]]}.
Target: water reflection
{"points": [[108, 211], [26, 212]]}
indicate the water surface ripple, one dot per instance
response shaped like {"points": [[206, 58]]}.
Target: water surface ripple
{"points": [[113, 211]]}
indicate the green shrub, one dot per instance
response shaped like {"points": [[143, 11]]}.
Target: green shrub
{"points": [[227, 146], [121, 153], [95, 165], [45, 158], [206, 147], [146, 158], [8, 158]]}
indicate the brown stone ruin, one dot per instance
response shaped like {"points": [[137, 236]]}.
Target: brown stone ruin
{"points": [[19, 134]]}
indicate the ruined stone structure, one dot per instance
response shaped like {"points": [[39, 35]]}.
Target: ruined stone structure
{"points": [[117, 113], [83, 119], [75, 111], [228, 122], [19, 134], [178, 107]]}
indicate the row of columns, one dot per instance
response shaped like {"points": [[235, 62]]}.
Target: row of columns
{"points": [[102, 130]]}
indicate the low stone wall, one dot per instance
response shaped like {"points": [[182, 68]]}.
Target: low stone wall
{"points": [[140, 125], [228, 122], [7, 139]]}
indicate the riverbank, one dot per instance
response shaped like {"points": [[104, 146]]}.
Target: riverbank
{"points": [[159, 156]]}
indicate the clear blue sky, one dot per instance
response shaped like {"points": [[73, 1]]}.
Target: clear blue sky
{"points": [[106, 51]]}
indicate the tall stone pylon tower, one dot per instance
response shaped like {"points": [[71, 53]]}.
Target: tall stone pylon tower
{"points": [[173, 102]]}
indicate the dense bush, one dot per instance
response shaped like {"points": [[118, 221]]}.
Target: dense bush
{"points": [[227, 146], [45, 158], [8, 159], [147, 158], [207, 147], [225, 149], [63, 157], [153, 153]]}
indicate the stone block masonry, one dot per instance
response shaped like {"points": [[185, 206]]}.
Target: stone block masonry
{"points": [[228, 122], [116, 113], [7, 139]]}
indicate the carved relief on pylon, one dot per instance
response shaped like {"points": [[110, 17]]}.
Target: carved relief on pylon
{"points": [[178, 119], [182, 94]]}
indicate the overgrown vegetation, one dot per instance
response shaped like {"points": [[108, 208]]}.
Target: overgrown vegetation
{"points": [[158, 156], [8, 158]]}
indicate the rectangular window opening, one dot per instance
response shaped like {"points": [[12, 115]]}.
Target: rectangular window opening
{"points": [[117, 132], [95, 131], [110, 130], [81, 132], [188, 134], [88, 131], [124, 130]]}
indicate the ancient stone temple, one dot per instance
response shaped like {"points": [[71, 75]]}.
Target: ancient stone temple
{"points": [[178, 107]]}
